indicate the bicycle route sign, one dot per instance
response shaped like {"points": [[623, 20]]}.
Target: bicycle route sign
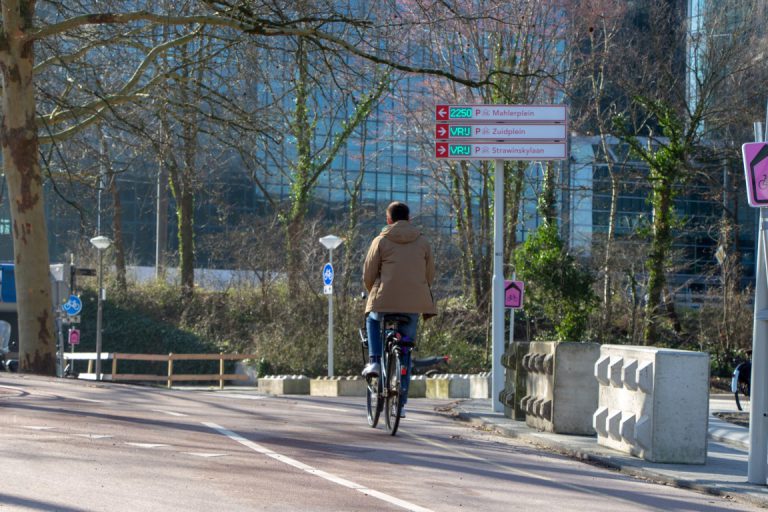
{"points": [[327, 279], [513, 294], [756, 173], [73, 306]]}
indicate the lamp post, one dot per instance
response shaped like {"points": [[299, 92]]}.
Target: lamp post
{"points": [[330, 242], [101, 243]]}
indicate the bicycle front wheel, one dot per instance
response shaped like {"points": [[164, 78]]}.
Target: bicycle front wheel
{"points": [[394, 393], [374, 400]]}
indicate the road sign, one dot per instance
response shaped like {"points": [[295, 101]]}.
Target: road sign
{"points": [[502, 150], [513, 294], [73, 306], [74, 336], [328, 274], [500, 131], [327, 289], [756, 172], [501, 113]]}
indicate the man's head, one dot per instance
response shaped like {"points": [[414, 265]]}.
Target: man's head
{"points": [[397, 211]]}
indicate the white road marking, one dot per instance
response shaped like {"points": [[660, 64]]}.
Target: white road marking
{"points": [[244, 397], [171, 413], [313, 471], [324, 408], [94, 436], [206, 454], [148, 445], [33, 427]]}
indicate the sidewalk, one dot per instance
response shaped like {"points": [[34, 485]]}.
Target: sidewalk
{"points": [[724, 474]]}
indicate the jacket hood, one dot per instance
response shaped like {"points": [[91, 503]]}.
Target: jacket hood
{"points": [[401, 232]]}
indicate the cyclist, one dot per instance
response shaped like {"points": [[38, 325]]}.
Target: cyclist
{"points": [[398, 274]]}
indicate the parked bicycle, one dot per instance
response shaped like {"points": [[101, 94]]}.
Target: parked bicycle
{"points": [[9, 365], [388, 391], [741, 382]]}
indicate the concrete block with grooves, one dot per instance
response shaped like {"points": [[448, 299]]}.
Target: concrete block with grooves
{"points": [[657, 407], [418, 386], [601, 369], [284, 384], [337, 386], [480, 385], [562, 390], [448, 386]]}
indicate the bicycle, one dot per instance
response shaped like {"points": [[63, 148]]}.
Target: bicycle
{"points": [[387, 391], [741, 382]]}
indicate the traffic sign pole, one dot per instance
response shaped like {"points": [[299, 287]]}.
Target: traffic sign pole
{"points": [[497, 296], [330, 320]]}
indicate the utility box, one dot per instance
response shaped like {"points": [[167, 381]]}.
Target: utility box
{"points": [[653, 403], [562, 392]]}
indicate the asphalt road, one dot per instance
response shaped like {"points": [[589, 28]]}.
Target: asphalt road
{"points": [[75, 446]]}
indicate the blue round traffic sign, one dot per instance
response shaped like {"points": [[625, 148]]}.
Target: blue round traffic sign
{"points": [[73, 306], [328, 274]]}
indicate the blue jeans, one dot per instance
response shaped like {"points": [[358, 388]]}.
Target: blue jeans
{"points": [[375, 344]]}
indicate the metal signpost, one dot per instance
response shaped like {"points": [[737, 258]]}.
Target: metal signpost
{"points": [[330, 242], [500, 132], [756, 174]]}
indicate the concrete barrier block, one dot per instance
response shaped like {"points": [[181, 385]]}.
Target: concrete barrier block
{"points": [[284, 384], [561, 385], [480, 385], [660, 411], [418, 387], [448, 386], [337, 386]]}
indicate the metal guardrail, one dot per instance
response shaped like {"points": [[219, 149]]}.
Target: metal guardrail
{"points": [[170, 377]]}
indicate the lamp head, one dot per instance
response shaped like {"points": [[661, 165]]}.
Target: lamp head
{"points": [[331, 241], [101, 242]]}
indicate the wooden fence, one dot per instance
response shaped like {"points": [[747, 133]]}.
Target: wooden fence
{"points": [[170, 377]]}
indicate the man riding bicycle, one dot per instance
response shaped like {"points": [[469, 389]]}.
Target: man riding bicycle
{"points": [[398, 274]]}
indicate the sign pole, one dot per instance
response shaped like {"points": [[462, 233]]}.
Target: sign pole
{"points": [[758, 444], [497, 314], [330, 323]]}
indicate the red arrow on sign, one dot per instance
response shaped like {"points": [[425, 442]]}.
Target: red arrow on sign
{"points": [[441, 131], [441, 149], [441, 112]]}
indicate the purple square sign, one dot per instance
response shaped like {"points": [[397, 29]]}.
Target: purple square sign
{"points": [[756, 172]]}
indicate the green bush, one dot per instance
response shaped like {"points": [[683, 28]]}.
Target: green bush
{"points": [[288, 334]]}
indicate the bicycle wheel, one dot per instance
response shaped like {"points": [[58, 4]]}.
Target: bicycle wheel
{"points": [[743, 389], [394, 393], [374, 401]]}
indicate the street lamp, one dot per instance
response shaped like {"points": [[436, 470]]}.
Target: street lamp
{"points": [[330, 242], [101, 243]]}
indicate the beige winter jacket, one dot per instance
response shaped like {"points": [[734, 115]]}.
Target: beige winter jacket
{"points": [[398, 272]]}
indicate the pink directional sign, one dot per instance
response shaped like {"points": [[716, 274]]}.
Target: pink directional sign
{"points": [[501, 131], [756, 172], [513, 294]]}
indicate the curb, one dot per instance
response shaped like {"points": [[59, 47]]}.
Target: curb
{"points": [[746, 493]]}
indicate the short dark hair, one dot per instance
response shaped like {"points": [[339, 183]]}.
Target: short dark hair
{"points": [[398, 211]]}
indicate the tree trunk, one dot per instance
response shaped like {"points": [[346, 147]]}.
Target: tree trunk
{"points": [[18, 135], [662, 239]]}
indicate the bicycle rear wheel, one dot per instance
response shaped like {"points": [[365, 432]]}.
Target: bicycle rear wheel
{"points": [[374, 402], [394, 393]]}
